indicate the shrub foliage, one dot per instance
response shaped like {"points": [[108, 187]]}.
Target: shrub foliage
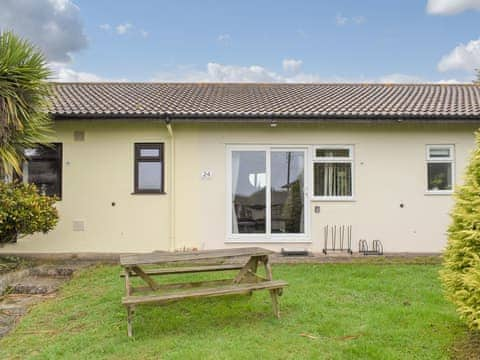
{"points": [[461, 271], [23, 211]]}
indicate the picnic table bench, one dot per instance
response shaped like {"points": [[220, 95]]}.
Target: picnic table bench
{"points": [[246, 280]]}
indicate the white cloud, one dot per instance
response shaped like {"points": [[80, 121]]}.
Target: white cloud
{"points": [[291, 65], [215, 72], [54, 26], [450, 7], [463, 57], [302, 33], [122, 29], [397, 78], [224, 37], [63, 73], [359, 19], [451, 81], [341, 20], [304, 78]]}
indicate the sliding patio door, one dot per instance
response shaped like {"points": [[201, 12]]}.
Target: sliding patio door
{"points": [[267, 196]]}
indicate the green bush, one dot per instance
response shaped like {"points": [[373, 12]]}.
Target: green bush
{"points": [[23, 211], [461, 269]]}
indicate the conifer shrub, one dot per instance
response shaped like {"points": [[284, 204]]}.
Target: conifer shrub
{"points": [[461, 269]]}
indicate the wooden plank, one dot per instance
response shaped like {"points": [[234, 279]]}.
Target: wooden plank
{"points": [[275, 303], [152, 283], [128, 286], [249, 267], [186, 285], [130, 320], [185, 269], [159, 257], [273, 292], [198, 293], [268, 268]]}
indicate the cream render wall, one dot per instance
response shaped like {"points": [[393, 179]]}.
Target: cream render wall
{"points": [[96, 173], [390, 169], [389, 162]]}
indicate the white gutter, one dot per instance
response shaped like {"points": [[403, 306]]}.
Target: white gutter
{"points": [[171, 186]]}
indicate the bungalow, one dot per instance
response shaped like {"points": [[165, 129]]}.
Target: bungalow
{"points": [[165, 166]]}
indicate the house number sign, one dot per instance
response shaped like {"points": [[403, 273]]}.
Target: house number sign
{"points": [[206, 175]]}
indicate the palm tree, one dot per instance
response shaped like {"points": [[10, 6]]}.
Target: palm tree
{"points": [[477, 80], [24, 94]]}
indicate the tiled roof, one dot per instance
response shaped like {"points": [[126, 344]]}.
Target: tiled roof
{"points": [[224, 100]]}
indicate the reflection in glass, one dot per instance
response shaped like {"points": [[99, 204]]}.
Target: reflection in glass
{"points": [[248, 191], [150, 175], [287, 193], [439, 152], [44, 175], [330, 153], [149, 152], [332, 179], [42, 168], [439, 176]]}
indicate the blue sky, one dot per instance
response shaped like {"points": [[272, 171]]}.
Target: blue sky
{"points": [[295, 41]]}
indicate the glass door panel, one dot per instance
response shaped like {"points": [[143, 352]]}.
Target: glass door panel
{"points": [[249, 180], [287, 200]]}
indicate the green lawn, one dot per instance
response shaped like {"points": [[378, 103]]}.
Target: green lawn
{"points": [[330, 311]]}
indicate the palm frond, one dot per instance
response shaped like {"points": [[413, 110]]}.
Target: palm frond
{"points": [[24, 100]]}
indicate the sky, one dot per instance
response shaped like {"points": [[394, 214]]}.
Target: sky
{"points": [[252, 41]]}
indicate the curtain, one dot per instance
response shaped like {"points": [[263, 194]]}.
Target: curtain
{"points": [[235, 173], [302, 194], [333, 179]]}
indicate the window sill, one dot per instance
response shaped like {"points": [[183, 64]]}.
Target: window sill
{"points": [[148, 193], [323, 199], [444, 193], [267, 241]]}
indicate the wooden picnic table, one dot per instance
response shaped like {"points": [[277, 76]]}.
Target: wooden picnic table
{"points": [[245, 281]]}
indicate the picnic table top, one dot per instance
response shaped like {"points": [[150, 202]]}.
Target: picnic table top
{"points": [[167, 257]]}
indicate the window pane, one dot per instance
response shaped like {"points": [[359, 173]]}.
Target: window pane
{"points": [[42, 153], [332, 153], [44, 174], [29, 153], [149, 152], [248, 191], [150, 175], [332, 179], [287, 198], [439, 176], [43, 167], [439, 152]]}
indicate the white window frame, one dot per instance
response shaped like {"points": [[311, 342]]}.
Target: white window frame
{"points": [[450, 159], [268, 236], [350, 159]]}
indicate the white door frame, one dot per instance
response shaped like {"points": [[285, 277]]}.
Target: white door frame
{"points": [[268, 237]]}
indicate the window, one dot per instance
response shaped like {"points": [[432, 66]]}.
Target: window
{"points": [[440, 161], [267, 192], [149, 168], [333, 172], [44, 169]]}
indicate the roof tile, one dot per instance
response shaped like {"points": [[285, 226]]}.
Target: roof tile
{"points": [[261, 100]]}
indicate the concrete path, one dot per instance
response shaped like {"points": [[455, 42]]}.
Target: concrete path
{"points": [[23, 288]]}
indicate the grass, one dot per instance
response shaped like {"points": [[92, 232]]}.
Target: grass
{"points": [[330, 311]]}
